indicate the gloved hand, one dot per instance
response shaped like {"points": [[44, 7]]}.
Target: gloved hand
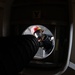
{"points": [[47, 43]]}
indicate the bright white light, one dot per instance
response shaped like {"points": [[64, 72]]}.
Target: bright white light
{"points": [[52, 38]]}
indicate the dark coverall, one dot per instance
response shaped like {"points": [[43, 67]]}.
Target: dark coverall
{"points": [[16, 52]]}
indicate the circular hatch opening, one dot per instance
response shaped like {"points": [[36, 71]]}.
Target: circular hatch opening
{"points": [[48, 45]]}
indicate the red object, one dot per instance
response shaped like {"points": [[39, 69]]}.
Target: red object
{"points": [[37, 28]]}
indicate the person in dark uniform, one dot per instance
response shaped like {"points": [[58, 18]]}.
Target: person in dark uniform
{"points": [[17, 51], [45, 40]]}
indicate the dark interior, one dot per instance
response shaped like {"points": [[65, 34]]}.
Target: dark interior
{"points": [[54, 14]]}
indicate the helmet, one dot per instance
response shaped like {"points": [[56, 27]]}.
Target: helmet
{"points": [[34, 29]]}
